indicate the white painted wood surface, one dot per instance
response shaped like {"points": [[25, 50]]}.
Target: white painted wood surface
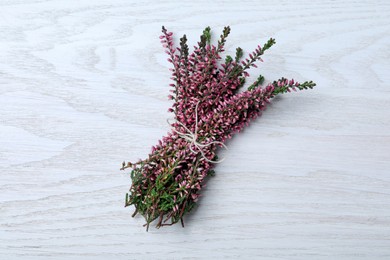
{"points": [[83, 86]]}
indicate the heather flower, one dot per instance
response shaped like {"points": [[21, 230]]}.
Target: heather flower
{"points": [[208, 110]]}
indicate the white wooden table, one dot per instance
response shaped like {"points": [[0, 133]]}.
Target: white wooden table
{"points": [[83, 87]]}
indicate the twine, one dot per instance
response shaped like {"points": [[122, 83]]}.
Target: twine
{"points": [[192, 137]]}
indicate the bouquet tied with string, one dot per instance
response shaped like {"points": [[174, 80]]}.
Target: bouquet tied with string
{"points": [[208, 110]]}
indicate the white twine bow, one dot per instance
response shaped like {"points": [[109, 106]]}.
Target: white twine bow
{"points": [[192, 137]]}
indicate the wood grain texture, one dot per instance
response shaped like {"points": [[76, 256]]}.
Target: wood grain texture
{"points": [[83, 86]]}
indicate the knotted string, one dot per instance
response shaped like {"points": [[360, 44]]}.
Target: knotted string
{"points": [[192, 137]]}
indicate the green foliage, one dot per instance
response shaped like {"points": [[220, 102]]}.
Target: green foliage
{"points": [[281, 89], [184, 47], [224, 35], [239, 54], [228, 59], [207, 34], [268, 45], [211, 173], [258, 82]]}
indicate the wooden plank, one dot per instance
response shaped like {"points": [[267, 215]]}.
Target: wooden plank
{"points": [[83, 87]]}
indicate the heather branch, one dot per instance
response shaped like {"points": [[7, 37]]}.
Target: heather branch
{"points": [[249, 62], [258, 82], [207, 34], [222, 41], [184, 49], [167, 185], [167, 41], [284, 85]]}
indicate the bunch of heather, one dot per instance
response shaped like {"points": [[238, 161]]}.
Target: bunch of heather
{"points": [[208, 109]]}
